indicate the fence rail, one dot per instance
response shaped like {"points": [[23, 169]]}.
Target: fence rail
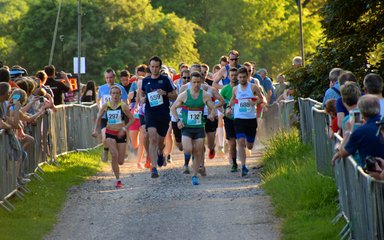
{"points": [[55, 133], [361, 198]]}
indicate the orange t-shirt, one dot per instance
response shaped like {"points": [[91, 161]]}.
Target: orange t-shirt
{"points": [[13, 84]]}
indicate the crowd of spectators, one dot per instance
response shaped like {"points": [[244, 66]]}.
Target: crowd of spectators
{"points": [[356, 114]]}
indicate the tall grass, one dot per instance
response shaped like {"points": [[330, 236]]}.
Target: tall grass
{"points": [[36, 215], [305, 200]]}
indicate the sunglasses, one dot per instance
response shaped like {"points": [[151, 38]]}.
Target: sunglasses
{"points": [[234, 59], [186, 77]]}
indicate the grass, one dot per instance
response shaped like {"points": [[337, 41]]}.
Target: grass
{"points": [[36, 215], [305, 200]]}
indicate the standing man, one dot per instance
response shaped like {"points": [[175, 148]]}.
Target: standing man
{"points": [[229, 122], [266, 83], [157, 90], [193, 101], [244, 99], [58, 88], [103, 97]]}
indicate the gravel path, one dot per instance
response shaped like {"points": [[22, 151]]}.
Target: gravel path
{"points": [[223, 206]]}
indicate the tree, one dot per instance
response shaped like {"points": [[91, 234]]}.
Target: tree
{"points": [[114, 34], [353, 29], [265, 31]]}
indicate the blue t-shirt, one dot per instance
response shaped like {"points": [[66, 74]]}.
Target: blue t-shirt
{"points": [[331, 93], [340, 107], [157, 105], [266, 83], [364, 140], [105, 96]]}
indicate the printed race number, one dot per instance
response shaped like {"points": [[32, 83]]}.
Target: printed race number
{"points": [[114, 117], [194, 117], [155, 99]]}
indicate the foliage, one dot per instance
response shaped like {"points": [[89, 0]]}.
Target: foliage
{"points": [[263, 31], [353, 30], [36, 216], [305, 200], [114, 34]]}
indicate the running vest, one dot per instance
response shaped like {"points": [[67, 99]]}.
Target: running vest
{"points": [[193, 111], [243, 108], [226, 80], [115, 116]]}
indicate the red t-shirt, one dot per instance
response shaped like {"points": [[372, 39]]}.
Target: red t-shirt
{"points": [[13, 84], [334, 126]]}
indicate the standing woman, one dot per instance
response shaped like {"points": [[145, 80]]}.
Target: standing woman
{"points": [[117, 113], [89, 95]]}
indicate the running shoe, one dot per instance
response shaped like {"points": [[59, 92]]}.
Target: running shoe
{"points": [[186, 170], [147, 162], [160, 160], [140, 165], [202, 171], [154, 173], [169, 159], [212, 153], [118, 184], [234, 168], [244, 171], [104, 158], [195, 181]]}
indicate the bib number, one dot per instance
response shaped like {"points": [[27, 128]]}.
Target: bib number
{"points": [[155, 99], [106, 99], [114, 117], [194, 118], [245, 105]]}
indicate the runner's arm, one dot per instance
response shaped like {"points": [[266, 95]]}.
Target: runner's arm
{"points": [[178, 103]]}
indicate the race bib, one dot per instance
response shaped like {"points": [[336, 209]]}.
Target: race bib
{"points": [[194, 117], [245, 105], [155, 99], [114, 116], [106, 99]]}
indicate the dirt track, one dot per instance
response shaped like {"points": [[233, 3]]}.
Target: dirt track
{"points": [[223, 206]]}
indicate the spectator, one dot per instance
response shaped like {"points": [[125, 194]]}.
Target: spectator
{"points": [[334, 88], [281, 86], [373, 84], [58, 88], [365, 138], [341, 110], [5, 92], [330, 109], [350, 93], [89, 94], [297, 62], [6, 77], [266, 83]]}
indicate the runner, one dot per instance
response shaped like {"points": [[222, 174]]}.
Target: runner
{"points": [[221, 78], [244, 99], [193, 101], [157, 91], [104, 96], [229, 123], [116, 113]]}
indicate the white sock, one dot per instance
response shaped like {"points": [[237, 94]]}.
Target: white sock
{"points": [[220, 136]]}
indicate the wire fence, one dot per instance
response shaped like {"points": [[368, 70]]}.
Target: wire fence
{"points": [[67, 129], [361, 197]]}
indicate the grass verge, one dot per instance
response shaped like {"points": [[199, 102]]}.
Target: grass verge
{"points": [[305, 200], [36, 215]]}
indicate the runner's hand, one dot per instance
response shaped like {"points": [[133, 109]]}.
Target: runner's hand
{"points": [[180, 124]]}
